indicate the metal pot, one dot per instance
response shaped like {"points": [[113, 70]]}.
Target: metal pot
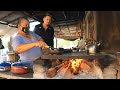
{"points": [[91, 49], [5, 66], [19, 68]]}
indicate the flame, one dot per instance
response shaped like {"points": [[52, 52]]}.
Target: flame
{"points": [[75, 64]]}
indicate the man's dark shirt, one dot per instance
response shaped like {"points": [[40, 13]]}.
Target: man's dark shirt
{"points": [[47, 35]]}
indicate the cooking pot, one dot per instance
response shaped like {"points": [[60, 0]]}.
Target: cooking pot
{"points": [[91, 49], [94, 48], [5, 66], [20, 68]]}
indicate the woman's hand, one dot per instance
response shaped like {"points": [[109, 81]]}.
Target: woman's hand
{"points": [[41, 44]]}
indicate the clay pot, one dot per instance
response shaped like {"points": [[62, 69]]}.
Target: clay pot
{"points": [[19, 69]]}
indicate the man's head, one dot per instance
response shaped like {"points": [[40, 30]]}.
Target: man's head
{"points": [[23, 25], [47, 19]]}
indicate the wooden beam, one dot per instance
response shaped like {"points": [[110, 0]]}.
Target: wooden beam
{"points": [[13, 20], [78, 13], [30, 16], [66, 21], [8, 25], [39, 14], [64, 15]]}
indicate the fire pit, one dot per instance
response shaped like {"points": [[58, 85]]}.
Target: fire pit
{"points": [[75, 69], [73, 66]]}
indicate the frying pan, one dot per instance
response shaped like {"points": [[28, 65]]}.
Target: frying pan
{"points": [[51, 50]]}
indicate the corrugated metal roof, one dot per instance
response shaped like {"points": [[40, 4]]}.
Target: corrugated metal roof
{"points": [[65, 23]]}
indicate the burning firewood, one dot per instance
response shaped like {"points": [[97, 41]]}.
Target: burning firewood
{"points": [[58, 61], [84, 66], [53, 71], [74, 68], [65, 76], [65, 64], [74, 71]]}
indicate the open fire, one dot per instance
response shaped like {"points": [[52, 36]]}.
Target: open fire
{"points": [[75, 68]]}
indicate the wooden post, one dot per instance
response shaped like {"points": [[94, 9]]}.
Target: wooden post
{"points": [[118, 58]]}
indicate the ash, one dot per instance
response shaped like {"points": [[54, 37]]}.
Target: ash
{"points": [[86, 75], [81, 75]]}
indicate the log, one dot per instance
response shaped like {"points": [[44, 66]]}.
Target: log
{"points": [[84, 66]]}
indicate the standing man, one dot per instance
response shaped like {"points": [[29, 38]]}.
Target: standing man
{"points": [[46, 31]]}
